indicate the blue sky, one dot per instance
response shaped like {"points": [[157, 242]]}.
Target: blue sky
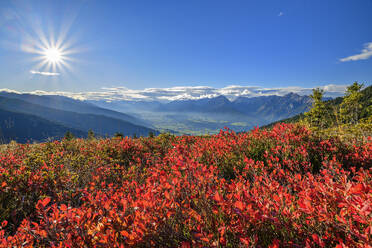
{"points": [[163, 44]]}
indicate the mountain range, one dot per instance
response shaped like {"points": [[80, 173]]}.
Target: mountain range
{"points": [[30, 117], [209, 115], [36, 118]]}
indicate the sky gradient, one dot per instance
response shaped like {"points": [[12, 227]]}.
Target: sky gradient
{"points": [[164, 44]]}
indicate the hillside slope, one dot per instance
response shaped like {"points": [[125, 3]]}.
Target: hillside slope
{"points": [[69, 104], [25, 128], [100, 124], [366, 103]]}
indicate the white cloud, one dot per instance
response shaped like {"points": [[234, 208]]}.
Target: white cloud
{"points": [[333, 88], [280, 14], [187, 93], [10, 91], [365, 54], [45, 73]]}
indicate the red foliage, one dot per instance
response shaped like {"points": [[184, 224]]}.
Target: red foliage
{"points": [[278, 188]]}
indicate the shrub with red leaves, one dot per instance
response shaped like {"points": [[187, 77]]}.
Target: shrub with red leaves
{"points": [[283, 187]]}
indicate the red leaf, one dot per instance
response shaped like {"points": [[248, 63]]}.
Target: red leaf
{"points": [[275, 244], [45, 201], [43, 233], [217, 197], [205, 239], [4, 223], [239, 205], [244, 241], [63, 207], [305, 205], [166, 194], [185, 245], [124, 233], [356, 189], [316, 238]]}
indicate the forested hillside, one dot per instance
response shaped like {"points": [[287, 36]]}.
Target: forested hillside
{"points": [[25, 128], [330, 112]]}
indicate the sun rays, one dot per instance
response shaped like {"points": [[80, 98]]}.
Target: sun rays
{"points": [[52, 53], [52, 58]]}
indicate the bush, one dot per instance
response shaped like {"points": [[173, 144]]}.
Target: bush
{"points": [[282, 187]]}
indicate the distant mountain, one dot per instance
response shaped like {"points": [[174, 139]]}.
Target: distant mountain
{"points": [[100, 124], [266, 108], [29, 128], [200, 116], [72, 105], [273, 108], [208, 115], [219, 104], [127, 106]]}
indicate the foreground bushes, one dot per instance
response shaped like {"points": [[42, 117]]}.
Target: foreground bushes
{"points": [[283, 187]]}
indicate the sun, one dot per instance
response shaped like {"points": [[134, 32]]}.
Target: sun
{"points": [[53, 55], [53, 58]]}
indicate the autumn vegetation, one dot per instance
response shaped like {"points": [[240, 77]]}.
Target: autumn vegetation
{"points": [[288, 186]]}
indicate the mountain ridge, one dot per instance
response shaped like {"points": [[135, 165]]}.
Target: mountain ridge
{"points": [[69, 104], [208, 115], [100, 124], [26, 128]]}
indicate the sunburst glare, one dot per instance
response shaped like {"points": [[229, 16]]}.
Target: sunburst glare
{"points": [[53, 52], [53, 55]]}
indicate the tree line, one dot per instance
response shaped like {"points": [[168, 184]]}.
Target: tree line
{"points": [[356, 107]]}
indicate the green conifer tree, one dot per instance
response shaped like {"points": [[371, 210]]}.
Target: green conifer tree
{"points": [[351, 106], [91, 134], [151, 134], [69, 135], [119, 135], [319, 116]]}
